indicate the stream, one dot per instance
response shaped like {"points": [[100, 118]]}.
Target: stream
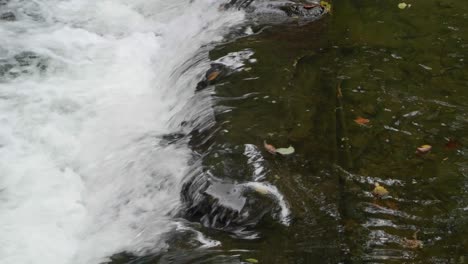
{"points": [[140, 131]]}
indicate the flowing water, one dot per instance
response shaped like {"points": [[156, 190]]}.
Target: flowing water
{"points": [[88, 90], [118, 143]]}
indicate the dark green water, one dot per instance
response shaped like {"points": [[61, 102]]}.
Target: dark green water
{"points": [[405, 71]]}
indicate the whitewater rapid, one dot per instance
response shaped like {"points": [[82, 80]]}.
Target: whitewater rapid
{"points": [[82, 173]]}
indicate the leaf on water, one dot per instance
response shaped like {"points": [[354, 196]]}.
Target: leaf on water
{"points": [[361, 121], [251, 260], [261, 190], [339, 94], [423, 149], [412, 243], [379, 191], [326, 6], [269, 148], [212, 76], [310, 6], [285, 151], [402, 5]]}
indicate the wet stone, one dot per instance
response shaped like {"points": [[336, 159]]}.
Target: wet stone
{"points": [[8, 16], [239, 3], [300, 11], [224, 205], [216, 72]]}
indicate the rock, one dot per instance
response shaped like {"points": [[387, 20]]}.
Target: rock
{"points": [[224, 205], [277, 12], [216, 72], [302, 12], [238, 4]]}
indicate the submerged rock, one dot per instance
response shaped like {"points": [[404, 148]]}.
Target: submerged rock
{"points": [[226, 205], [278, 12], [216, 72], [302, 11]]}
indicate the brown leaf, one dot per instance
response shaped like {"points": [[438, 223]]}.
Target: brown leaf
{"points": [[269, 148], [412, 243], [310, 6], [361, 121], [339, 94], [212, 76]]}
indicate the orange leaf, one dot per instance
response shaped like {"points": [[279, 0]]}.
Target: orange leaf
{"points": [[269, 148], [361, 121], [213, 76]]}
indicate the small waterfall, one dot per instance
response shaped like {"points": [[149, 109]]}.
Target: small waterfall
{"points": [[92, 95]]}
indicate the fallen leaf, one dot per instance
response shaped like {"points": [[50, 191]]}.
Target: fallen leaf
{"points": [[361, 121], [285, 151], [338, 93], [251, 260], [379, 191], [310, 6], [269, 148], [412, 243], [402, 5], [261, 190], [213, 75], [423, 149], [326, 6]]}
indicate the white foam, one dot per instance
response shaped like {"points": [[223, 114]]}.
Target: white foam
{"points": [[269, 189], [82, 175]]}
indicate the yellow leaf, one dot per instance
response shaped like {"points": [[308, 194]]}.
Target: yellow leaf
{"points": [[423, 149], [327, 6], [379, 191], [251, 260], [402, 5]]}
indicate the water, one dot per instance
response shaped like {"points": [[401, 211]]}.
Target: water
{"points": [[405, 71], [110, 143], [88, 89]]}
